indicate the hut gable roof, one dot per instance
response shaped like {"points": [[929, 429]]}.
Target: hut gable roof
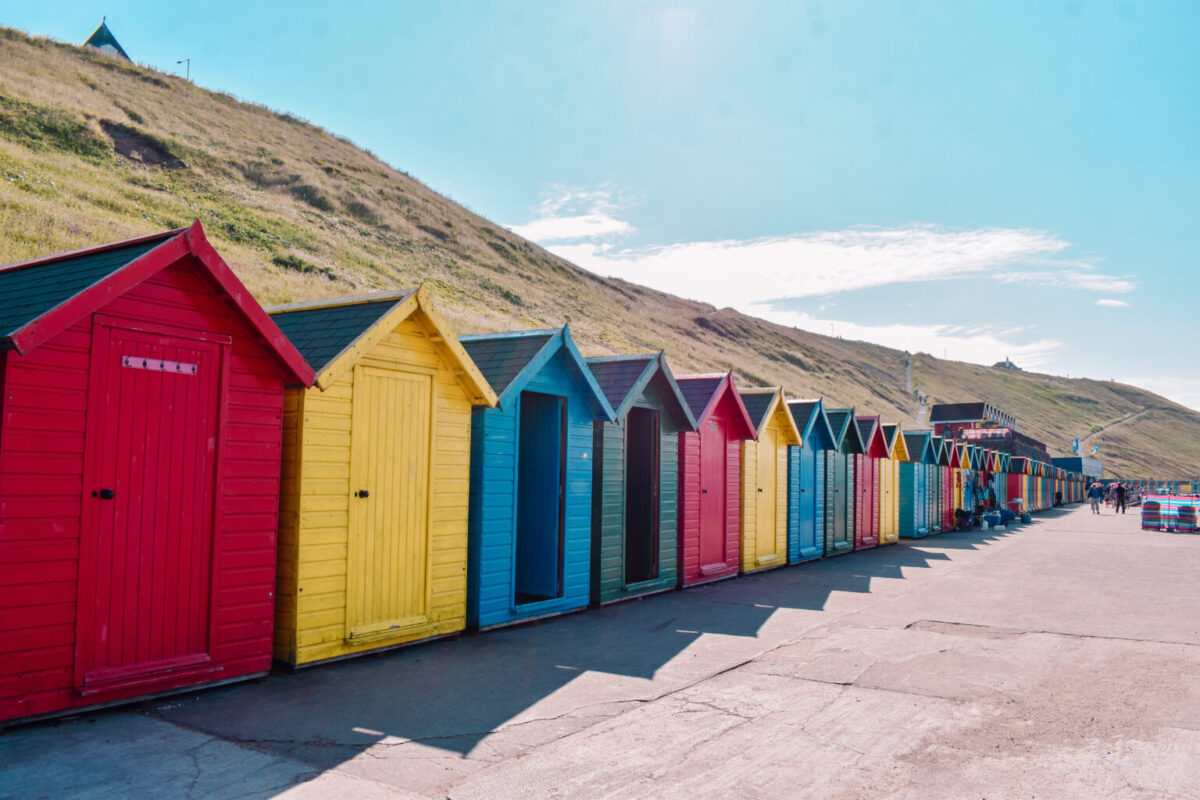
{"points": [[41, 298], [871, 433], [510, 360], [952, 449], [766, 404], [705, 392], [919, 446], [103, 40], [333, 335], [897, 446], [813, 423], [624, 378], [845, 433]]}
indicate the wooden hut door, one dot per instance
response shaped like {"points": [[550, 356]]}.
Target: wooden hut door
{"points": [[765, 513], [150, 466], [642, 439], [387, 552], [808, 497], [842, 501], [712, 493], [541, 475]]}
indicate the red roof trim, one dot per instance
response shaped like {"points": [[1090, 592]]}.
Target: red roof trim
{"points": [[726, 387], [176, 245], [261, 321]]}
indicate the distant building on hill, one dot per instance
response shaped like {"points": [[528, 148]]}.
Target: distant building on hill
{"points": [[948, 418], [103, 40], [1006, 364], [986, 425]]}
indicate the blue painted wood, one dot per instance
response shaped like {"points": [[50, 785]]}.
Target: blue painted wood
{"points": [[913, 514], [539, 492], [492, 542], [806, 481], [793, 506]]}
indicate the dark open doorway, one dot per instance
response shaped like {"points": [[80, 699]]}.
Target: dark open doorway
{"points": [[641, 494], [541, 475]]}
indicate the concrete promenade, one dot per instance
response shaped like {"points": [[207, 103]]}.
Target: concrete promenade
{"points": [[1059, 659]]}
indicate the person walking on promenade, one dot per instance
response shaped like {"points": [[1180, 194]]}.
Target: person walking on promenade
{"points": [[1119, 494], [1094, 498]]}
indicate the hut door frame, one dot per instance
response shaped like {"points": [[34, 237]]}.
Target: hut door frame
{"points": [[714, 508], [113, 341], [766, 499], [545, 586], [642, 441], [381, 495]]}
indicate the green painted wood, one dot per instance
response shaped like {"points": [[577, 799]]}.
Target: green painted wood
{"points": [[608, 506]]}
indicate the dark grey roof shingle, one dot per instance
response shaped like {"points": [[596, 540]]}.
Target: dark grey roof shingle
{"points": [[698, 391], [27, 293], [952, 412], [320, 333], [756, 406], [501, 357], [618, 374]]}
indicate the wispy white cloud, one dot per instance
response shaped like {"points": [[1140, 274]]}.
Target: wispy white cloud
{"points": [[754, 275], [1108, 302], [1185, 391], [582, 226], [569, 213], [978, 344]]}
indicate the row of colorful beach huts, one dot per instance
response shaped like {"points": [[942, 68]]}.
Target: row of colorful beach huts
{"points": [[192, 486]]}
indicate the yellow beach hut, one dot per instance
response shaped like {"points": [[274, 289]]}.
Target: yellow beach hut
{"points": [[373, 518], [765, 477], [889, 484]]}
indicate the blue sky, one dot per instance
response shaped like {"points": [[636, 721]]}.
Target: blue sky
{"points": [[975, 179]]}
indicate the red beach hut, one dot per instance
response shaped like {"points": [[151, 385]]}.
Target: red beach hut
{"points": [[710, 478], [140, 435], [866, 531]]}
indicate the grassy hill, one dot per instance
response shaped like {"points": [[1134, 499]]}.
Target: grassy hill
{"points": [[93, 149]]}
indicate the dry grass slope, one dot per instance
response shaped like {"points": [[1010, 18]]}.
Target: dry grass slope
{"points": [[93, 149]]}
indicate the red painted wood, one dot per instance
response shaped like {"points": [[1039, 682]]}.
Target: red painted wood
{"points": [[53, 548], [709, 523], [712, 493], [181, 246]]}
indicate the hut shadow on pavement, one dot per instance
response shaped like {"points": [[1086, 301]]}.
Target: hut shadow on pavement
{"points": [[500, 691], [453, 694]]}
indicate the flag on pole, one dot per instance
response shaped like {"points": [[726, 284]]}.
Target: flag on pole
{"points": [[1075, 446]]}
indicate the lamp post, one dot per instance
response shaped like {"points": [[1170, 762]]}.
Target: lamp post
{"points": [[188, 62]]}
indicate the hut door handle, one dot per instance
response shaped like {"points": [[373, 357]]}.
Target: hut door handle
{"points": [[105, 494], [704, 491], [362, 493], [760, 490]]}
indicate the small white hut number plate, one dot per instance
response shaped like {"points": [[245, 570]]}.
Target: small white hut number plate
{"points": [[158, 365]]}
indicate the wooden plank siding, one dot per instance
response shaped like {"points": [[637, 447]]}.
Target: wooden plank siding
{"points": [[42, 496], [491, 599], [722, 409], [765, 487], [313, 616], [608, 510]]}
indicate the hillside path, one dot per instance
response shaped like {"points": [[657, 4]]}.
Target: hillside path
{"points": [[1087, 439]]}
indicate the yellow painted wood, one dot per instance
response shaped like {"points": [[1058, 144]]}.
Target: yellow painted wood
{"points": [[889, 510], [765, 551], [389, 501], [764, 486], [358, 575]]}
